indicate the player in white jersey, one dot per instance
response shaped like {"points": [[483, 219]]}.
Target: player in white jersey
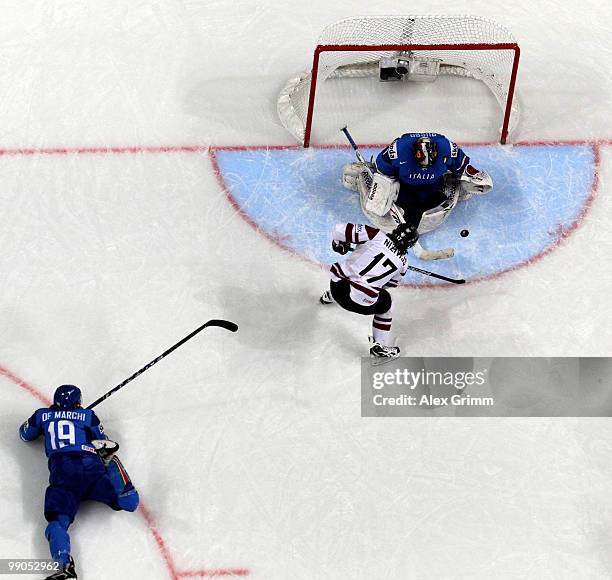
{"points": [[359, 284]]}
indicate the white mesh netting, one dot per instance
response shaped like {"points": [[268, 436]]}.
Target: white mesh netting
{"points": [[492, 66]]}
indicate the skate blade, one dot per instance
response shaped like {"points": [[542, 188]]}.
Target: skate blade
{"points": [[376, 361]]}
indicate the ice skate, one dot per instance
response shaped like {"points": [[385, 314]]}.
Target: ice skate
{"points": [[382, 354], [68, 571], [326, 298]]}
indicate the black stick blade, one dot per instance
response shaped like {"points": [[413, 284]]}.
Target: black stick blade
{"points": [[231, 326], [438, 276]]}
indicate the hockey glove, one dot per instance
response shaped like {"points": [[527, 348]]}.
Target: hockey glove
{"points": [[105, 448], [341, 247]]}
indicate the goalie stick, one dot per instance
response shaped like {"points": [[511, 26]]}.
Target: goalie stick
{"points": [[419, 251], [355, 148], [232, 327]]}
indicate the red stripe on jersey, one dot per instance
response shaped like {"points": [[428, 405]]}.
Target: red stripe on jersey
{"points": [[371, 232], [366, 291], [336, 271], [379, 326], [348, 233], [341, 273]]}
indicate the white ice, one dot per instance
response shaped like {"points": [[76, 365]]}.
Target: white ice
{"points": [[249, 450]]}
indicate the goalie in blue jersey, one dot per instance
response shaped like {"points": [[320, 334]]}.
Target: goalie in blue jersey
{"points": [[418, 179], [82, 466]]}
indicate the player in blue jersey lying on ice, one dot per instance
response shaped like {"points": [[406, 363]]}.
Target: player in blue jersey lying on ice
{"points": [[82, 466], [418, 179]]}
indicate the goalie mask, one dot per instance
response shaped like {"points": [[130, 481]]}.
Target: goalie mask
{"points": [[425, 151], [403, 237]]}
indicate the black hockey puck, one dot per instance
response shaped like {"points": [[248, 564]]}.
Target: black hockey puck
{"points": [[464, 233]]}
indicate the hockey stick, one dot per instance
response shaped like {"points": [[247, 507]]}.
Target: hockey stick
{"points": [[439, 276], [221, 323], [355, 148], [426, 272], [419, 251]]}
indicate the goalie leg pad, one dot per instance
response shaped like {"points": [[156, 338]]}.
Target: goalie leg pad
{"points": [[386, 223], [435, 217]]}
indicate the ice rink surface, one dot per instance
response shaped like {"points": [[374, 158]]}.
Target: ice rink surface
{"points": [[131, 213]]}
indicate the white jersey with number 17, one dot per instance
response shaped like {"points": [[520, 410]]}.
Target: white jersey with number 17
{"points": [[375, 264]]}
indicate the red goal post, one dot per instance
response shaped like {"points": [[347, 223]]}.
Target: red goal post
{"points": [[430, 46]]}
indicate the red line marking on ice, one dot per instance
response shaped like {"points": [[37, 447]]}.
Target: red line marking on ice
{"points": [[160, 149], [101, 150], [214, 573], [143, 510], [159, 540], [11, 376]]}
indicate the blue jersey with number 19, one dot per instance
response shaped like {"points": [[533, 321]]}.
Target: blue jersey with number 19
{"points": [[65, 430]]}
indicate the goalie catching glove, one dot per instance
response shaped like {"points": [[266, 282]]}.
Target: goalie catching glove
{"points": [[474, 181]]}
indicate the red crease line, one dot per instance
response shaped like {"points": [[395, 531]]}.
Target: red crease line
{"points": [[561, 235], [214, 573]]}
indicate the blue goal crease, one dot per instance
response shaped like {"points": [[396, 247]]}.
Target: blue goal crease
{"points": [[540, 192]]}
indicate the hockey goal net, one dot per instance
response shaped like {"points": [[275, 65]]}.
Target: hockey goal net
{"points": [[405, 48]]}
